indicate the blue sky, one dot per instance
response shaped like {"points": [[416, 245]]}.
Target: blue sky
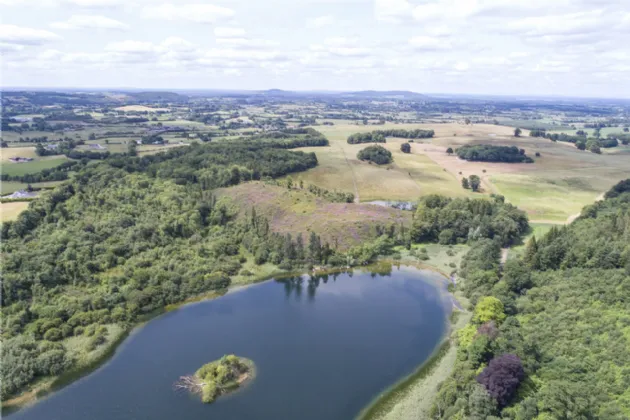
{"points": [[536, 47]]}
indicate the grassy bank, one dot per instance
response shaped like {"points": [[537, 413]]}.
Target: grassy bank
{"points": [[411, 398]]}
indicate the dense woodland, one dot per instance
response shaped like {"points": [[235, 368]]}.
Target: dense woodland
{"points": [[124, 238], [549, 336], [461, 220], [490, 153]]}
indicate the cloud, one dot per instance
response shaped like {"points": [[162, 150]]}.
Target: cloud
{"points": [[574, 23], [427, 43], [392, 11], [227, 32], [132, 47], [20, 35], [89, 22], [245, 43], [198, 13], [322, 21]]}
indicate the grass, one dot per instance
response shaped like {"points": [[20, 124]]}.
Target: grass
{"points": [[18, 169], [10, 152], [536, 229], [10, 211], [546, 199]]}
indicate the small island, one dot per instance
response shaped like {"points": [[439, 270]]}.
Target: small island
{"points": [[218, 377]]}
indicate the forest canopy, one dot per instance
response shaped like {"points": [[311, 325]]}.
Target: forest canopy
{"points": [[549, 336]]}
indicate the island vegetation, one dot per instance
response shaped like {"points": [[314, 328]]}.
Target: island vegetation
{"points": [[376, 154], [218, 378], [490, 153]]}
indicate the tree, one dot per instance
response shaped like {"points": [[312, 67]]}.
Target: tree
{"points": [[449, 151], [531, 249], [481, 405], [4, 144], [132, 148], [405, 148], [465, 183], [502, 377], [475, 182], [489, 308], [92, 136], [517, 132]]}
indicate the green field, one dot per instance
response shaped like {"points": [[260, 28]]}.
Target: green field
{"points": [[18, 169], [546, 199], [560, 182]]}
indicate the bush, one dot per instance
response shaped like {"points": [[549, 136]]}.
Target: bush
{"points": [[53, 334]]}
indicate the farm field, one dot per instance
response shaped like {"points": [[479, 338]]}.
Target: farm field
{"points": [[553, 188], [32, 167], [10, 211], [7, 153], [8, 187]]}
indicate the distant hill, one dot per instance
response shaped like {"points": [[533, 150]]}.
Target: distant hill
{"points": [[157, 96], [363, 94], [393, 94]]}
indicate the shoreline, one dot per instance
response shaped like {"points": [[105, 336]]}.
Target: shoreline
{"points": [[52, 385]]}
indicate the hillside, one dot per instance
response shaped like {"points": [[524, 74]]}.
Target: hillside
{"points": [[295, 211]]}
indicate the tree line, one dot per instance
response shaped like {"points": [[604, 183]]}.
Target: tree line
{"points": [[491, 153], [379, 136]]}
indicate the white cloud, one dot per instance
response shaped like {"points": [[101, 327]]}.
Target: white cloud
{"points": [[392, 10], [427, 43], [129, 46], [89, 22], [574, 23], [322, 21], [198, 13], [96, 3], [227, 32], [245, 43], [21, 35], [461, 66]]}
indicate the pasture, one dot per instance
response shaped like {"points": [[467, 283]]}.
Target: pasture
{"points": [[552, 189], [10, 211], [18, 169]]}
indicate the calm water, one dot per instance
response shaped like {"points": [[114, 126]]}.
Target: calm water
{"points": [[323, 349]]}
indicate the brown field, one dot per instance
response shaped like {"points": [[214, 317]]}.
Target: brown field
{"points": [[10, 211], [297, 211], [10, 152]]}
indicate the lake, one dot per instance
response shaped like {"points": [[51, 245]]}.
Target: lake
{"points": [[323, 348]]}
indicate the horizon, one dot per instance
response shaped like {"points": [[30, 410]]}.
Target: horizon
{"points": [[458, 47], [80, 89]]}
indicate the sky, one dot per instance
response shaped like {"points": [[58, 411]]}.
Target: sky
{"points": [[505, 47]]}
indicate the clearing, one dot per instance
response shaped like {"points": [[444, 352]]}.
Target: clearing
{"points": [[296, 211], [11, 210]]}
